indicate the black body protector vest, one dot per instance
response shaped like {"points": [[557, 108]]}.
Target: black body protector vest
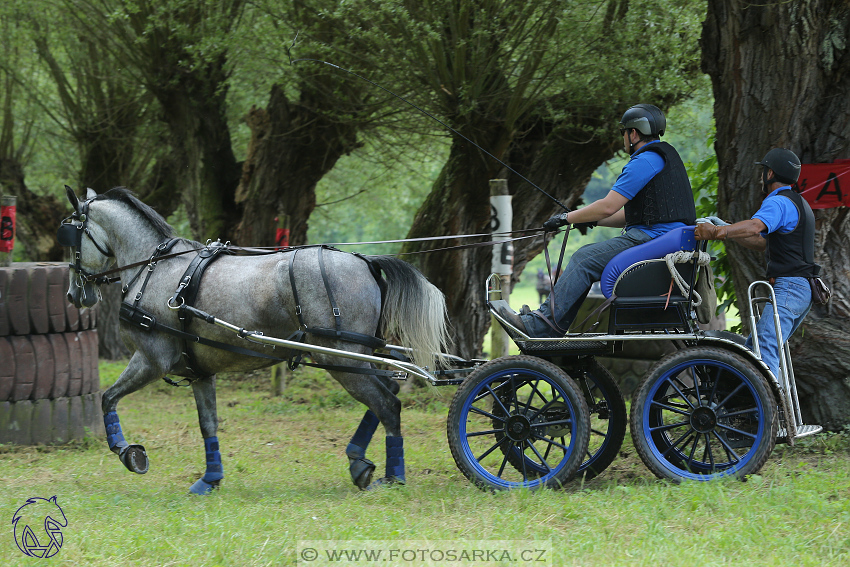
{"points": [[668, 196], [793, 254]]}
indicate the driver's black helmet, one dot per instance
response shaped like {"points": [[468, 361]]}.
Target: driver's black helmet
{"points": [[646, 119], [784, 163]]}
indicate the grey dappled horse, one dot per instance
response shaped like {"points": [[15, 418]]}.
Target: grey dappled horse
{"points": [[115, 229]]}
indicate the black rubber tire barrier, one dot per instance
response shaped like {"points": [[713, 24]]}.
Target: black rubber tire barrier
{"points": [[48, 366], [48, 422], [33, 301]]}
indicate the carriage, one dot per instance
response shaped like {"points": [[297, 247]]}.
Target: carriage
{"points": [[710, 409]]}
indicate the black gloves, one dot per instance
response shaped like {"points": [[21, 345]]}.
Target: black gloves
{"points": [[555, 222], [585, 226]]}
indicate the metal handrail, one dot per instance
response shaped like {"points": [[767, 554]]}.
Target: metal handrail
{"points": [[786, 380]]}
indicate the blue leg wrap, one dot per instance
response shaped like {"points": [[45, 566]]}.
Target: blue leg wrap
{"points": [[357, 447], [214, 472], [395, 458], [114, 436], [214, 469]]}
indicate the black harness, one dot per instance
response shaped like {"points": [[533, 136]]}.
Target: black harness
{"points": [[187, 290], [70, 235]]}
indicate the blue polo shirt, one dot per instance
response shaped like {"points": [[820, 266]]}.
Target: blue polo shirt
{"points": [[778, 213], [635, 175]]}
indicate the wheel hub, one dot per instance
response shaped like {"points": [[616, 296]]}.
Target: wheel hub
{"points": [[558, 411], [518, 428], [703, 419]]}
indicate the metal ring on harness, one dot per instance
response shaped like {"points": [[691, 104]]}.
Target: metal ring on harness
{"points": [[175, 307]]}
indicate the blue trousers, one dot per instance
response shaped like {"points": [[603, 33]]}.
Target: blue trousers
{"points": [[585, 268], [793, 300]]}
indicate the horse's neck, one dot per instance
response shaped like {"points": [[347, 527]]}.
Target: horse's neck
{"points": [[132, 239]]}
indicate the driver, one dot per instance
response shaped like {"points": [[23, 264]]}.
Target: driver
{"points": [[784, 227], [651, 196]]}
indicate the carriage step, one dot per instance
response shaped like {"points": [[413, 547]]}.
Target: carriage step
{"points": [[802, 431], [559, 345]]}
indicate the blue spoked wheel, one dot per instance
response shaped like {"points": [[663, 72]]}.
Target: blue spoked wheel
{"points": [[518, 405], [608, 419], [703, 413]]}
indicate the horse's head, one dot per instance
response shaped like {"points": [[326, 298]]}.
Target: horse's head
{"points": [[90, 250]]}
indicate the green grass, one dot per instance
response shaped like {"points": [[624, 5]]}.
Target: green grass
{"points": [[287, 481]]}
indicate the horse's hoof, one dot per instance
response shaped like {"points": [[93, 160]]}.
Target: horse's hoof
{"points": [[387, 481], [135, 459], [361, 472], [203, 487]]}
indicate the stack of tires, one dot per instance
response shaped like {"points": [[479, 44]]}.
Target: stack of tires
{"points": [[49, 380]]}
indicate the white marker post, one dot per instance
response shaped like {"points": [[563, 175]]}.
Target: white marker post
{"points": [[501, 220]]}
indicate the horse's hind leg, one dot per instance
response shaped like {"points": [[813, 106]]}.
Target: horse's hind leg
{"points": [[204, 390], [359, 466], [378, 393], [138, 374]]}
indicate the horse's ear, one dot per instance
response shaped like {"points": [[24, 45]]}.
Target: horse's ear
{"points": [[73, 198], [90, 194]]}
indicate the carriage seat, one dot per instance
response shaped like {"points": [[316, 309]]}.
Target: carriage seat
{"points": [[641, 270]]}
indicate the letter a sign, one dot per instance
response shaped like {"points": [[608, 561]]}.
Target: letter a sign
{"points": [[826, 185]]}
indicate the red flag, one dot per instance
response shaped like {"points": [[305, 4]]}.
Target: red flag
{"points": [[826, 185]]}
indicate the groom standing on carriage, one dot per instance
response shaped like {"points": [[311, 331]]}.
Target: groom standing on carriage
{"points": [[784, 227], [651, 196]]}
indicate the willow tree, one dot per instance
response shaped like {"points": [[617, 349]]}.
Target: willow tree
{"points": [[781, 78], [538, 85], [315, 113], [177, 51]]}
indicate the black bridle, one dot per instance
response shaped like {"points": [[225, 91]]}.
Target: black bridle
{"points": [[70, 235]]}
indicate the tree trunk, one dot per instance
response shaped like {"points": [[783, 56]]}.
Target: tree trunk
{"points": [[781, 78], [459, 203], [37, 216], [194, 109], [293, 145]]}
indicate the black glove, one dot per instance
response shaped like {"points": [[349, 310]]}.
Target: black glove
{"points": [[585, 226], [555, 222]]}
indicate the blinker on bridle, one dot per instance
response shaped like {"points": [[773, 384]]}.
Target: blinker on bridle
{"points": [[70, 235]]}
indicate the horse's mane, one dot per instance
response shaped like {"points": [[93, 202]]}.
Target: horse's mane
{"points": [[124, 195]]}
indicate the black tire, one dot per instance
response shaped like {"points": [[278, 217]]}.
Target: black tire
{"points": [[608, 420], [704, 413], [545, 410]]}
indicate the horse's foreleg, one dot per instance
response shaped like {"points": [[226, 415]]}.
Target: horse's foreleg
{"points": [[137, 374], [204, 391]]}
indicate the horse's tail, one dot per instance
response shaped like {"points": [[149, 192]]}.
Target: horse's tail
{"points": [[414, 311]]}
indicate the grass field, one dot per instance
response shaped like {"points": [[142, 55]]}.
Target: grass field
{"points": [[287, 481]]}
